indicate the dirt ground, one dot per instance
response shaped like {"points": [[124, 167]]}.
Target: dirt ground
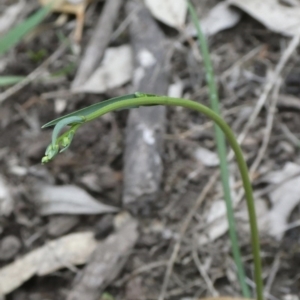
{"points": [[97, 151]]}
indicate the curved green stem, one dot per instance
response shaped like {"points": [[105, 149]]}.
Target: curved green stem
{"points": [[161, 100], [82, 116]]}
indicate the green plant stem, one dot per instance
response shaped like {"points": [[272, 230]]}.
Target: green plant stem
{"points": [[161, 100], [221, 147]]}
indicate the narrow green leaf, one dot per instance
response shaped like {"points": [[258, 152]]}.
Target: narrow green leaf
{"points": [[9, 80], [221, 147], [84, 112], [13, 37], [64, 122]]}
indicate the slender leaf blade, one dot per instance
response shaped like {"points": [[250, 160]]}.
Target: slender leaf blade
{"points": [[9, 80], [221, 147], [11, 38], [84, 112]]}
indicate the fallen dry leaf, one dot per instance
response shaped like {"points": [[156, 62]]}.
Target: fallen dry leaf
{"points": [[106, 261], [215, 218], [170, 12], [70, 250], [262, 212], [68, 199], [271, 13], [284, 198], [214, 231], [75, 7], [219, 18], [290, 297], [115, 70]]}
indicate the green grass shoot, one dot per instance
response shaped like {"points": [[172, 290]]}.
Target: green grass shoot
{"points": [[10, 80], [221, 147], [14, 36]]}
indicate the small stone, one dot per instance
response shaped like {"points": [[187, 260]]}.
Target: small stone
{"points": [[9, 247], [60, 225]]}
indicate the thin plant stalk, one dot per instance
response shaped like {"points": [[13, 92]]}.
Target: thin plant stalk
{"points": [[138, 99], [239, 157], [221, 148]]}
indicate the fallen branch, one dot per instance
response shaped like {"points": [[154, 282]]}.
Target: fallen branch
{"points": [[146, 125]]}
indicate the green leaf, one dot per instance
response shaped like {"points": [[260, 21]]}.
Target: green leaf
{"points": [[90, 109], [221, 147], [14, 36], [85, 112], [9, 80], [64, 122]]}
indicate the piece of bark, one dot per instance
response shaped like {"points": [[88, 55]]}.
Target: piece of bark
{"points": [[98, 43], [105, 264], [146, 125]]}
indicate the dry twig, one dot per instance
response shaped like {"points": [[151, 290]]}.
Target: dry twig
{"points": [[105, 263], [203, 272], [146, 125], [273, 272], [268, 87], [183, 230], [33, 75], [98, 43], [274, 79]]}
